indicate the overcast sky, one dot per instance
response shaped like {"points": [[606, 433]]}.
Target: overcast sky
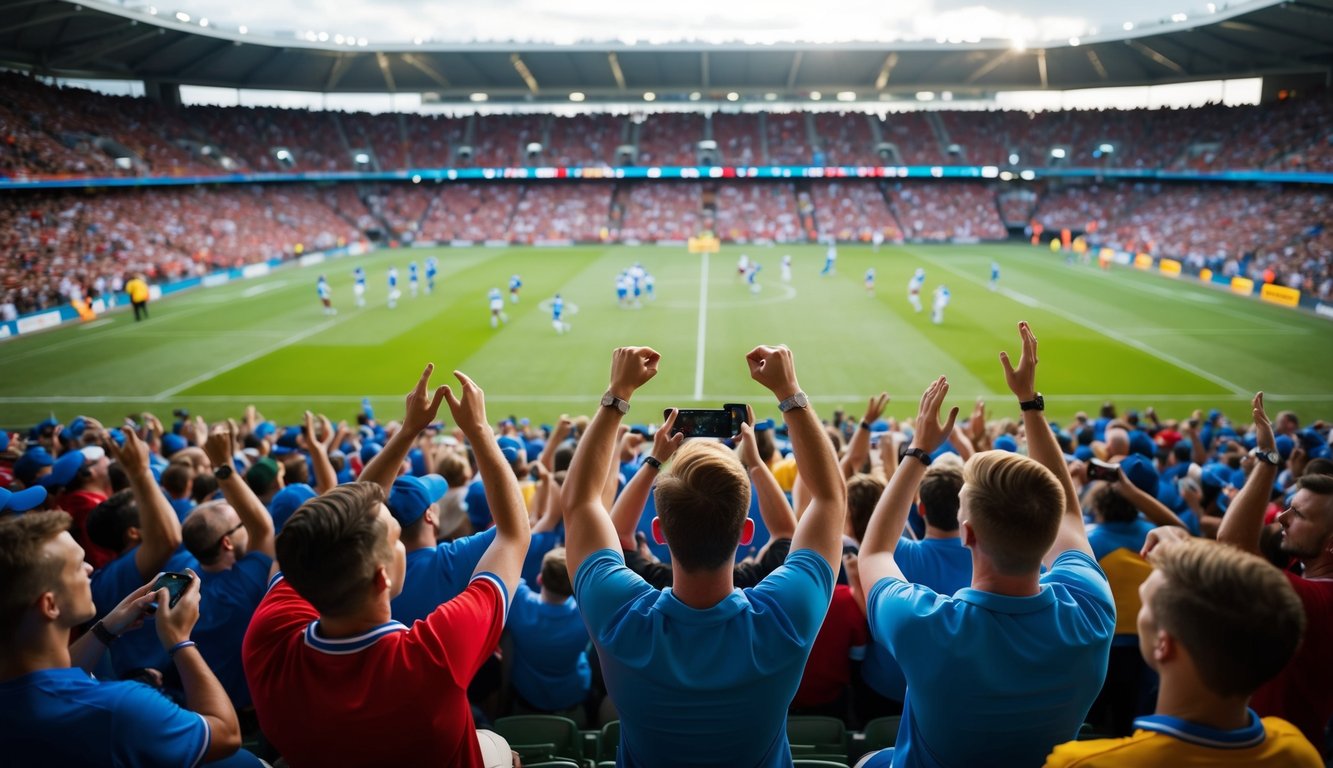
{"points": [[390, 21]]}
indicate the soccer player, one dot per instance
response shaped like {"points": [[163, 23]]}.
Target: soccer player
{"points": [[622, 290], [557, 312], [786, 268], [359, 286], [750, 277], [877, 239], [994, 275], [870, 281], [432, 268], [743, 266], [497, 308], [412, 280], [325, 295], [515, 282], [649, 285], [941, 301], [914, 288], [830, 258], [394, 293], [636, 276]]}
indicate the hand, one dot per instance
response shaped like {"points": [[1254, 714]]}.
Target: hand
{"points": [[130, 613], [1163, 535], [1079, 472], [1263, 428], [930, 434], [421, 405], [132, 456], [468, 408], [875, 407], [774, 368], [631, 368], [93, 431], [1022, 380], [219, 446], [976, 423], [312, 442], [175, 624], [749, 448], [1297, 461], [664, 443], [561, 430]]}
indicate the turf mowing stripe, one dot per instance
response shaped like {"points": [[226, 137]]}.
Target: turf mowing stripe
{"points": [[1323, 397], [703, 330]]}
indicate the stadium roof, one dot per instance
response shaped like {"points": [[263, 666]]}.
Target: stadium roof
{"points": [[100, 39]]}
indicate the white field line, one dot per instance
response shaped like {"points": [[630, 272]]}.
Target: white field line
{"points": [[238, 362], [96, 324], [1107, 332], [702, 339]]}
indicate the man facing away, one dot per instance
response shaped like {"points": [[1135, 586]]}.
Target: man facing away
{"points": [[702, 673]]}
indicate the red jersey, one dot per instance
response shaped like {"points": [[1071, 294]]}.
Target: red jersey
{"points": [[391, 696], [842, 639], [80, 504], [1302, 693]]}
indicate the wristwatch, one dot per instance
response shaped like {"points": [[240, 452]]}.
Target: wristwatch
{"points": [[611, 401], [1037, 403], [1270, 458], [919, 454], [223, 472], [798, 400]]}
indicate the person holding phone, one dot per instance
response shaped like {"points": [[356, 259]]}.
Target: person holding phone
{"points": [[702, 673], [56, 712]]}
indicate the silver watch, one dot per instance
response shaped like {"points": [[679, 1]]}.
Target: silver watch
{"points": [[798, 400], [611, 401]]}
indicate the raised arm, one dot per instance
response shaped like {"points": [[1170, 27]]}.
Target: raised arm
{"points": [[628, 509], [778, 516], [546, 502], [558, 435], [820, 528], [1244, 519], [513, 534], [325, 476], [159, 528], [1043, 447], [254, 516], [420, 412], [858, 450], [1156, 512], [887, 522], [588, 529]]}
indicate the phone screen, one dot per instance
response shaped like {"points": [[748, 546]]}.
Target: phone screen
{"points": [[723, 422], [175, 584], [1102, 470]]}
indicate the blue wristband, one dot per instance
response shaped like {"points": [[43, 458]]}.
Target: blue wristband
{"points": [[178, 646]]}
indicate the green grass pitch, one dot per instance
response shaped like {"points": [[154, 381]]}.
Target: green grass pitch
{"points": [[1136, 338]]}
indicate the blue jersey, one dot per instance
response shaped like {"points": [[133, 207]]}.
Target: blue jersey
{"points": [[870, 275], [494, 295], [412, 271], [438, 574], [322, 288], [515, 283], [360, 275], [431, 266], [994, 271], [754, 270], [557, 308], [393, 277]]}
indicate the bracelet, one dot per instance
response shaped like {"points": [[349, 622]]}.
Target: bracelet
{"points": [[865, 425], [652, 462], [104, 635], [179, 646]]}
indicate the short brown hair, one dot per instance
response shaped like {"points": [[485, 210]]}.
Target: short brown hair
{"points": [[863, 492], [1015, 505], [1239, 617], [329, 548], [555, 573], [25, 570], [452, 467], [1318, 484], [939, 495], [702, 502], [176, 479], [202, 532]]}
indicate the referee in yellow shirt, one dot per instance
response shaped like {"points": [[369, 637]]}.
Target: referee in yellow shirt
{"points": [[137, 288]]}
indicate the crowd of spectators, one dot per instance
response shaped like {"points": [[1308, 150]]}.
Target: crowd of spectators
{"points": [[750, 212], [846, 139], [947, 211], [551, 212], [853, 211], [1120, 588], [473, 212], [647, 212]]}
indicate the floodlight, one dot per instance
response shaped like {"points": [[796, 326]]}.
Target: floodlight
{"points": [[1212, 8], [323, 37], [816, 95], [182, 16], [649, 96], [1013, 158], [577, 96], [203, 22], [733, 96], [770, 96], [1178, 17], [846, 95], [124, 163], [152, 10], [338, 39], [1073, 41], [244, 29], [416, 41], [1106, 149], [361, 41], [1058, 153], [416, 178], [478, 97], [361, 158], [1027, 175], [925, 95], [1127, 26], [695, 95], [1007, 176]]}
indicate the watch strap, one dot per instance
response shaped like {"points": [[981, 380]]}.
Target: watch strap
{"points": [[652, 462], [103, 635], [919, 455], [1037, 403]]}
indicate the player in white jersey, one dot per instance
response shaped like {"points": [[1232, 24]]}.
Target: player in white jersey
{"points": [[786, 268], [877, 239], [359, 286], [497, 308], [413, 282], [743, 266], [914, 288], [649, 286], [325, 295], [830, 258], [622, 290], [994, 276], [394, 293], [557, 312], [941, 301], [870, 281], [515, 282], [751, 275]]}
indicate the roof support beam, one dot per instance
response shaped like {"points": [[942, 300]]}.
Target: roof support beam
{"points": [[248, 76], [1199, 54], [1096, 62], [1041, 68], [341, 63], [1156, 57], [794, 69], [524, 72], [703, 65], [1257, 26], [427, 69], [91, 54], [386, 70], [988, 67], [74, 43], [38, 21], [616, 72], [886, 71]]}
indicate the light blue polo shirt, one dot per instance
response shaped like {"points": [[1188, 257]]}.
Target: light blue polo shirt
{"points": [[703, 687], [1006, 678], [550, 651], [437, 575]]}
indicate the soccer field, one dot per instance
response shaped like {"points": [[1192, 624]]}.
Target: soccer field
{"points": [[1138, 339]]}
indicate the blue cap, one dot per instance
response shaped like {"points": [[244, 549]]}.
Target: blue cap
{"points": [[478, 508], [766, 424], [1141, 473], [63, 470], [21, 501], [880, 425], [172, 443], [265, 428], [418, 460], [48, 423], [411, 496], [1216, 475], [76, 428], [511, 447], [1284, 446], [1141, 443], [1083, 453], [4, 440], [288, 438], [369, 451], [1006, 443], [287, 501]]}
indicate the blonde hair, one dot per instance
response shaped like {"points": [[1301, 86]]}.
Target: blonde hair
{"points": [[702, 502], [1014, 504]]}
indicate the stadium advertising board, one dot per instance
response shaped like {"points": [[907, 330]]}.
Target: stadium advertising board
{"points": [[1323, 310], [1280, 294], [1143, 261], [1169, 267], [39, 321], [1242, 285]]}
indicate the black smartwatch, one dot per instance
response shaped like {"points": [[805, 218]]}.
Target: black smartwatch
{"points": [[919, 454], [1037, 403], [223, 472], [652, 462]]}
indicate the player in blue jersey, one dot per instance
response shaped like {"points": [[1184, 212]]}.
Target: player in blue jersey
{"points": [[497, 308], [359, 286], [830, 258], [622, 290], [751, 274], [914, 286], [557, 315], [325, 295], [870, 281], [649, 286], [413, 282], [994, 275], [432, 268], [515, 282], [941, 301], [394, 293]]}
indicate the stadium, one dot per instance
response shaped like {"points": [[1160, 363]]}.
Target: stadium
{"points": [[264, 222]]}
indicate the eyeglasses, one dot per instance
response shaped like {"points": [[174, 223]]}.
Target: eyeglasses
{"points": [[218, 544]]}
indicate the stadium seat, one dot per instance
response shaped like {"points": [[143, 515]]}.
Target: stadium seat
{"points": [[543, 737], [816, 737], [809, 762], [881, 733], [609, 744]]}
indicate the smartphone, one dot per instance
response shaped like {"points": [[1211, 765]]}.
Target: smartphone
{"points": [[175, 584], [1103, 470], [723, 423]]}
